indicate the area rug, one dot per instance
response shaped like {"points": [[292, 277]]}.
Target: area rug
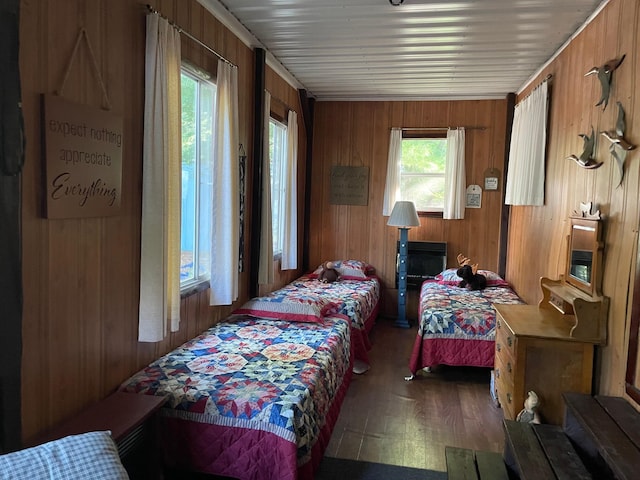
{"points": [[340, 469]]}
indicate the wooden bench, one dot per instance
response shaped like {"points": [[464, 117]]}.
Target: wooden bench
{"points": [[465, 464], [599, 439], [606, 433], [541, 451]]}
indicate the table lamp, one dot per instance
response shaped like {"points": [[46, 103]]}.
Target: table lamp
{"points": [[403, 216]]}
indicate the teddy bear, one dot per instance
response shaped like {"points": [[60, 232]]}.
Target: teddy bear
{"points": [[529, 414], [470, 279], [328, 274]]}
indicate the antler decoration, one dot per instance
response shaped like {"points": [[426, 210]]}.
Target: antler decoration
{"points": [[462, 261], [605, 73]]}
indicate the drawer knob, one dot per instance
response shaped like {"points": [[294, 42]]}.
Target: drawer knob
{"points": [[497, 373], [498, 347], [498, 324], [508, 397], [509, 367], [510, 341]]}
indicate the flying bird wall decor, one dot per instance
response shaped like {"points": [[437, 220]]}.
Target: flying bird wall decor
{"points": [[586, 160], [605, 75], [619, 145]]}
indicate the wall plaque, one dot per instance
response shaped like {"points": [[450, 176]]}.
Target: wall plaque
{"points": [[83, 159], [349, 185], [491, 179], [474, 196]]}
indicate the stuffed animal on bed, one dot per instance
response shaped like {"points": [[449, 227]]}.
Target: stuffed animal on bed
{"points": [[328, 274], [470, 278]]}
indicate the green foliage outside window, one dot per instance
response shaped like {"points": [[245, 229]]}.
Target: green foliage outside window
{"points": [[422, 172]]}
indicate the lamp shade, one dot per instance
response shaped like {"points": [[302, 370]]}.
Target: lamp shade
{"points": [[404, 215]]}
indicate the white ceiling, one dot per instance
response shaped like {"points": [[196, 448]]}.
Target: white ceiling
{"points": [[422, 49]]}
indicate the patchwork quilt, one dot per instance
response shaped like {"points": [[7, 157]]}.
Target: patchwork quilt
{"points": [[249, 373], [308, 299], [457, 326], [356, 299]]}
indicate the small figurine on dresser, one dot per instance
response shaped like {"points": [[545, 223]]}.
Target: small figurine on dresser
{"points": [[529, 414]]}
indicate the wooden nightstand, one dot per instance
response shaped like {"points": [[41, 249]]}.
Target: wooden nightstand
{"points": [[129, 417]]}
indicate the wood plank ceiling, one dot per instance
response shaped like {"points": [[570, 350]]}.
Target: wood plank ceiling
{"points": [[422, 49]]}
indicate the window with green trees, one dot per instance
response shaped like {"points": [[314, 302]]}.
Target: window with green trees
{"points": [[198, 97], [422, 172]]}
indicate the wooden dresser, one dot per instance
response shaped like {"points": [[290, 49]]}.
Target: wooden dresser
{"points": [[533, 353], [549, 347]]}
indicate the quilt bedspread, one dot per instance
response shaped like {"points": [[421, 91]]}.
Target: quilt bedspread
{"points": [[357, 299], [269, 375], [308, 299], [452, 312], [457, 326]]}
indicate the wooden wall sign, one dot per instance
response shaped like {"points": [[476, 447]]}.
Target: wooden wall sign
{"points": [[83, 159], [349, 185]]}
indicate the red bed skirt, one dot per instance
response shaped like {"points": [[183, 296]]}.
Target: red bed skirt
{"points": [[241, 453], [360, 343], [451, 351]]}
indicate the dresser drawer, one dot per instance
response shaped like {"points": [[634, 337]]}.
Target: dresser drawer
{"points": [[504, 368], [505, 340], [504, 377], [505, 397]]}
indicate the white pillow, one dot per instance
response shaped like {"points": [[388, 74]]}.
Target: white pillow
{"points": [[91, 455]]}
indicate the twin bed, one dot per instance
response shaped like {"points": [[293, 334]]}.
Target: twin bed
{"points": [[257, 395], [456, 326]]}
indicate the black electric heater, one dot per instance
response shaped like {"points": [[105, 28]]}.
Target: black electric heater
{"points": [[424, 261]]}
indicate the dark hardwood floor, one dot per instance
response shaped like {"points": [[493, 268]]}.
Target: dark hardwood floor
{"points": [[386, 419]]}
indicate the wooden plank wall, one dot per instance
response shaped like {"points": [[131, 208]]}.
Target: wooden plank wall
{"points": [[357, 134], [538, 235], [81, 275]]}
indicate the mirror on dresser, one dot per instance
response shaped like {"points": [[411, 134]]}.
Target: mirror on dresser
{"points": [[576, 295], [585, 254]]}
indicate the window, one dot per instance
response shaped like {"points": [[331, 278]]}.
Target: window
{"points": [[422, 172], [277, 159], [198, 113]]}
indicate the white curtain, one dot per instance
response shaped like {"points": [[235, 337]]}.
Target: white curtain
{"points": [[525, 176], [161, 159], [225, 231], [265, 268], [455, 180], [392, 185], [289, 206]]}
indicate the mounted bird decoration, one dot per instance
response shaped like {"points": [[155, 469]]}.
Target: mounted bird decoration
{"points": [[619, 145], [605, 74], [586, 160]]}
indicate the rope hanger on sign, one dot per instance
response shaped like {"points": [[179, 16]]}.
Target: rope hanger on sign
{"points": [[83, 34]]}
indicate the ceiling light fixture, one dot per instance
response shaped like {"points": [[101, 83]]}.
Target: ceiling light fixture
{"points": [[396, 3]]}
